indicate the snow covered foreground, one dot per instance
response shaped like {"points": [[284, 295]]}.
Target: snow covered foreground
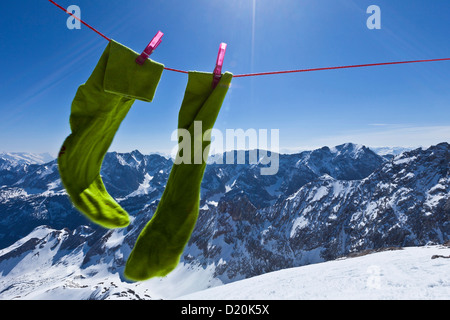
{"points": [[410, 273], [405, 274]]}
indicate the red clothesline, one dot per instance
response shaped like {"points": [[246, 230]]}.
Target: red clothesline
{"points": [[272, 72], [341, 67]]}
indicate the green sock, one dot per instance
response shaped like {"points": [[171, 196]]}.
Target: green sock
{"points": [[98, 109], [159, 246]]}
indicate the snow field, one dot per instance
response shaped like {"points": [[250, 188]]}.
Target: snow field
{"points": [[390, 275]]}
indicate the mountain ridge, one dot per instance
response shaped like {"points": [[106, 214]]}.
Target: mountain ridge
{"points": [[322, 204]]}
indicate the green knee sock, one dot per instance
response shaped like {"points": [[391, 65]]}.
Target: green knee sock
{"points": [[99, 107], [159, 246]]}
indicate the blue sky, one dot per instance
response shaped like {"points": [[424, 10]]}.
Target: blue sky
{"points": [[43, 63]]}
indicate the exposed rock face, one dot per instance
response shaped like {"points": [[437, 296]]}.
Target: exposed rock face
{"points": [[404, 202]]}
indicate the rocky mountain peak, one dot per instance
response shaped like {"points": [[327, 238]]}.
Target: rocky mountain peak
{"points": [[322, 204]]}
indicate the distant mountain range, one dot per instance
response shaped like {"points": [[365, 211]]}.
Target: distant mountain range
{"points": [[15, 159], [321, 205]]}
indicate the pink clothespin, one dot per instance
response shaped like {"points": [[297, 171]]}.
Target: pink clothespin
{"points": [[219, 64], [150, 48]]}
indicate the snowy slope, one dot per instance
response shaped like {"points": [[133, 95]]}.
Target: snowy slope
{"points": [[43, 273], [51, 268], [391, 151], [410, 273]]}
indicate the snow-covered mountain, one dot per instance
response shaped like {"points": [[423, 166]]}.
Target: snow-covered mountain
{"points": [[404, 202], [64, 264], [14, 159], [32, 196], [390, 151], [51, 268], [321, 205]]}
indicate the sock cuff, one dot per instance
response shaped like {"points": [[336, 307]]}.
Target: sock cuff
{"points": [[123, 76]]}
